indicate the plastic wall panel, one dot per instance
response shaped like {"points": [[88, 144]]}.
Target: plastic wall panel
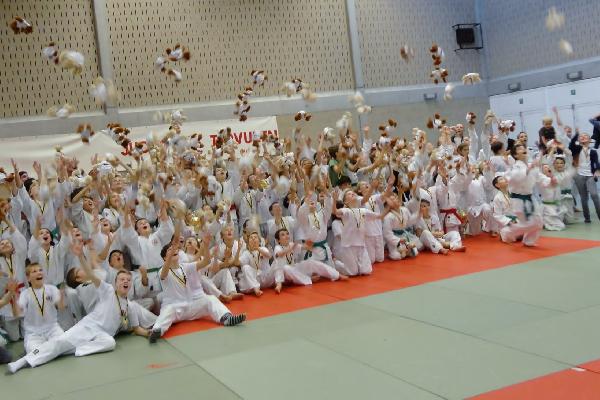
{"points": [[29, 84], [286, 38]]}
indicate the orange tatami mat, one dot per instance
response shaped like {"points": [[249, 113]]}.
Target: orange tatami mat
{"points": [[483, 253], [570, 384]]}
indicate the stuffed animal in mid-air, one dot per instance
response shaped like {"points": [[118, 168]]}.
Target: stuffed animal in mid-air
{"points": [[103, 91], [60, 112], [407, 53], [439, 75], [20, 25], [436, 122], [72, 61], [178, 52], [258, 77], [86, 132], [50, 53], [302, 116], [471, 78]]}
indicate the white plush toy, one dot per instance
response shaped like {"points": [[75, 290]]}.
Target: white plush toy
{"points": [[565, 47], [554, 20], [103, 91], [62, 112], [50, 53], [448, 91], [471, 78], [345, 122], [72, 61], [175, 74]]}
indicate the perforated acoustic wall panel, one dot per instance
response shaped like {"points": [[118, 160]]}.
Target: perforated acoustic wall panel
{"points": [[29, 84], [386, 25], [286, 38], [518, 40]]}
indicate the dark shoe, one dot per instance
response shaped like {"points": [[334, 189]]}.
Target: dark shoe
{"points": [[587, 221], [154, 336]]}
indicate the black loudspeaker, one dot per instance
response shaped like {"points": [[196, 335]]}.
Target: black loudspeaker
{"points": [[465, 36]]}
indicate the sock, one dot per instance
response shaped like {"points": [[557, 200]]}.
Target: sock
{"points": [[233, 320], [17, 365], [225, 317]]}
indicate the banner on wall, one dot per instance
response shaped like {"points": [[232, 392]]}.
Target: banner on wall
{"points": [[26, 150]]}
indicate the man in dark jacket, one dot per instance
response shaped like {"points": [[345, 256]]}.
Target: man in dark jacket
{"points": [[585, 161]]}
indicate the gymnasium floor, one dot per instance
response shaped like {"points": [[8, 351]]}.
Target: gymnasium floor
{"points": [[497, 322]]}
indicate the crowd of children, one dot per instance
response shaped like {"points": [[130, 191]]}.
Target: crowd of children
{"points": [[181, 231]]}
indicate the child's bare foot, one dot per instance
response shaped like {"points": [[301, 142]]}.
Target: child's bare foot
{"points": [[343, 277], [403, 253], [460, 249], [315, 278], [224, 298], [444, 251], [236, 295], [258, 292], [278, 288], [494, 234]]}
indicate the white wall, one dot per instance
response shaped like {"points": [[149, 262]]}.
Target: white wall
{"points": [[577, 102]]}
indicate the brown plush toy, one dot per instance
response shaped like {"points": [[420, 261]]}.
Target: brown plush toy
{"points": [[86, 132], [20, 25], [302, 115], [436, 122], [179, 52]]}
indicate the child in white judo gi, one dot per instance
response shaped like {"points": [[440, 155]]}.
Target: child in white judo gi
{"points": [[94, 333], [38, 304], [183, 302]]}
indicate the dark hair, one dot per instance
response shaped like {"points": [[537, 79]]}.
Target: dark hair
{"points": [[278, 233], [71, 278], [75, 192], [28, 182], [114, 252], [163, 251], [271, 206], [344, 180], [425, 201], [495, 181], [513, 151], [138, 220], [496, 147]]}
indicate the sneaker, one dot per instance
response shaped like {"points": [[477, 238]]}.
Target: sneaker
{"points": [[154, 336], [232, 320]]}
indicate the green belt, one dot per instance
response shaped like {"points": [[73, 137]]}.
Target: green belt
{"points": [[565, 191], [399, 232], [320, 244], [513, 218], [550, 203], [526, 198]]}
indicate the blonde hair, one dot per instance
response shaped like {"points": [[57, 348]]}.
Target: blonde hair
{"points": [[29, 267], [547, 120]]}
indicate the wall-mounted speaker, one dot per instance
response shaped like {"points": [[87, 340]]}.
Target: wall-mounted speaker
{"points": [[465, 36]]}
